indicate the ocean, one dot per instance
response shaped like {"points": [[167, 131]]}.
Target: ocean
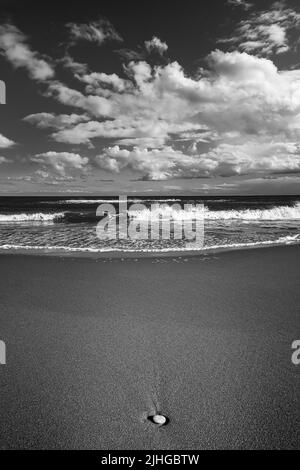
{"points": [[64, 224]]}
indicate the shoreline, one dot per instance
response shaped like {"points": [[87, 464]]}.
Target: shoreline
{"points": [[81, 253]]}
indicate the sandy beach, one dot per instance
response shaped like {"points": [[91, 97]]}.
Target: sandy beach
{"points": [[94, 346]]}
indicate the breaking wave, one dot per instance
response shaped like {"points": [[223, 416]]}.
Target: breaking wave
{"points": [[288, 240], [35, 217], [275, 213], [168, 212], [161, 211], [112, 201], [89, 201]]}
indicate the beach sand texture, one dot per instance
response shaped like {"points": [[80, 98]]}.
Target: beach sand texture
{"points": [[95, 346]]}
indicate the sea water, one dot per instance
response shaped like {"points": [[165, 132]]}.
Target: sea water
{"points": [[64, 224]]}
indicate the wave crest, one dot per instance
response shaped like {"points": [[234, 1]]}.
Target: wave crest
{"points": [[168, 212], [36, 217], [275, 213]]}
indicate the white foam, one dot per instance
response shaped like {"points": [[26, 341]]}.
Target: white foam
{"points": [[276, 213], [88, 201], [287, 240], [168, 212], [115, 201], [36, 217]]}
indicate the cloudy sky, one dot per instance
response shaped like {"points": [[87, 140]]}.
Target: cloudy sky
{"points": [[150, 97]]}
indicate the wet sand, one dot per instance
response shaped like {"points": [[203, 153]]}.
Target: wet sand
{"points": [[95, 346]]}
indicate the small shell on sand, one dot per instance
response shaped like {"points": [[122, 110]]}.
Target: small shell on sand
{"points": [[159, 419]]}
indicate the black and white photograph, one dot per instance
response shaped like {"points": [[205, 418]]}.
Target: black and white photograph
{"points": [[149, 228]]}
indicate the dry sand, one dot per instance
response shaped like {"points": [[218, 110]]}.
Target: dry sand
{"points": [[95, 346]]}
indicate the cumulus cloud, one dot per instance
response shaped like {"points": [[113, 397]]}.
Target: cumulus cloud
{"points": [[244, 107], [238, 92], [5, 142], [61, 162], [239, 115], [13, 45], [127, 131], [153, 45], [223, 160], [98, 83], [70, 63], [96, 105], [267, 32], [3, 160], [96, 32], [129, 54], [240, 3], [54, 121], [154, 164], [256, 157], [156, 44]]}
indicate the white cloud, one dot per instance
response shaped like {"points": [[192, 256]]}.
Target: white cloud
{"points": [[96, 105], [5, 142], [50, 120], [102, 83], [256, 157], [241, 115], [154, 164], [245, 107], [267, 32], [3, 160], [239, 92], [127, 130], [96, 32], [156, 44], [13, 44], [61, 162], [240, 3], [76, 67], [223, 160]]}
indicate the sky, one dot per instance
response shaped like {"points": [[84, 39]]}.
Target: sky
{"points": [[160, 97]]}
